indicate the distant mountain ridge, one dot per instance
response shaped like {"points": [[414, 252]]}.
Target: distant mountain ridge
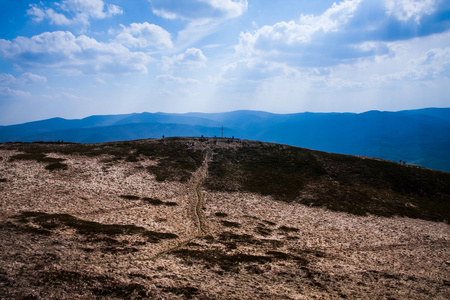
{"points": [[420, 137]]}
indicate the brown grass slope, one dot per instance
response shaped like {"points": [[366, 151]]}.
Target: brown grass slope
{"points": [[339, 182], [346, 183], [189, 218]]}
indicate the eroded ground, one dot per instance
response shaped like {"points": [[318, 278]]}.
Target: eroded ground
{"points": [[107, 228]]}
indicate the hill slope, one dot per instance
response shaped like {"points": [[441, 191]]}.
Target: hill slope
{"points": [[419, 137], [186, 218]]}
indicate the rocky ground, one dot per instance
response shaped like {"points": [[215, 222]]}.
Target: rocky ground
{"points": [[106, 228]]}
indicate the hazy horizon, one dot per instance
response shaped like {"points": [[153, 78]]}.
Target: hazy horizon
{"points": [[221, 112], [77, 58]]}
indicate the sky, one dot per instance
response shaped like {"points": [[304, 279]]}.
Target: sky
{"points": [[75, 58]]}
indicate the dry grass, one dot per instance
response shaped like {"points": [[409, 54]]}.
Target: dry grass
{"points": [[105, 227]]}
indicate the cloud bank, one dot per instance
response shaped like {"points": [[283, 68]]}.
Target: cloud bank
{"points": [[64, 51], [69, 12]]}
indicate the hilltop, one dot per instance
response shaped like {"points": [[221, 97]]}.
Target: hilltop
{"points": [[209, 218], [419, 137]]}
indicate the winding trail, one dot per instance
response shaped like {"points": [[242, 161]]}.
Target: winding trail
{"points": [[197, 180], [194, 208]]}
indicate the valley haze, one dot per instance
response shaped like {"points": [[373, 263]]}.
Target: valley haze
{"points": [[418, 137]]}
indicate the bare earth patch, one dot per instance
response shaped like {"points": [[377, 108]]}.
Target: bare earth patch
{"points": [[107, 228]]}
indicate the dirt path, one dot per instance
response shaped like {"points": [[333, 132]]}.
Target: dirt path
{"points": [[194, 208], [197, 180]]}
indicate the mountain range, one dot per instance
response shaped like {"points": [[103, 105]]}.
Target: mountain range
{"points": [[418, 137]]}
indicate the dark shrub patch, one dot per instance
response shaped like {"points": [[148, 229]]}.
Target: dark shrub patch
{"points": [[221, 214], [176, 161], [39, 157], [263, 231], [118, 250], [3, 180], [231, 262], [169, 203], [346, 183], [227, 262], [54, 163], [187, 291], [155, 237], [288, 229], [53, 221], [254, 269], [130, 197], [286, 256], [230, 224], [56, 166], [261, 169], [132, 158], [269, 223], [243, 238], [28, 156], [100, 285], [153, 201]]}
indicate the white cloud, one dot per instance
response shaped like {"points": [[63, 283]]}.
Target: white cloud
{"points": [[347, 32], [7, 79], [433, 65], [203, 17], [284, 35], [25, 78], [256, 70], [144, 35], [231, 9], [57, 18], [192, 58], [405, 10], [331, 20], [169, 79], [438, 59], [100, 81], [70, 12], [165, 14], [199, 9], [62, 50], [32, 78], [7, 92]]}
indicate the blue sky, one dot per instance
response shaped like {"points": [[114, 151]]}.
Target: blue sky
{"points": [[75, 58]]}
